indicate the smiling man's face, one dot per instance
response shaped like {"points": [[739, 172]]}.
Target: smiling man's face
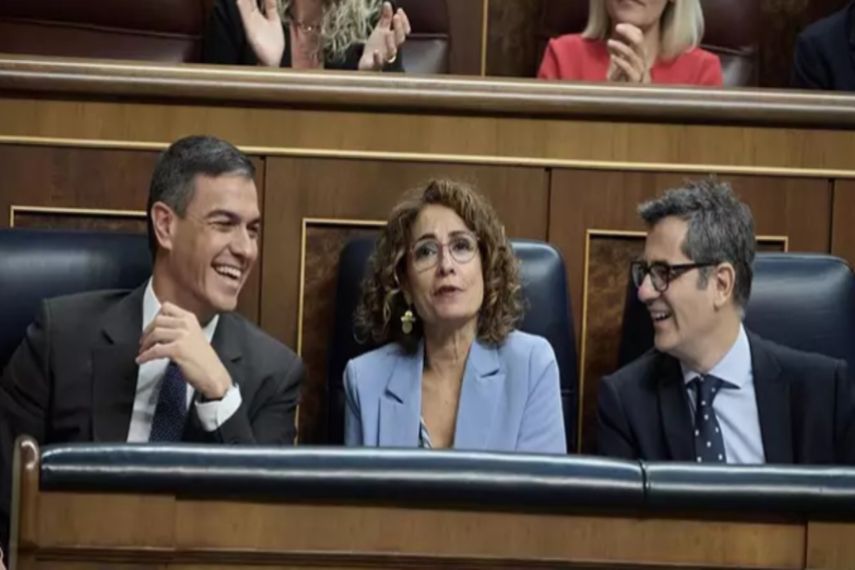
{"points": [[684, 315], [214, 245]]}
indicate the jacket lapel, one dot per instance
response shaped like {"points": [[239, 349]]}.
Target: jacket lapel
{"points": [[483, 385], [773, 403], [114, 372], [401, 402], [674, 409]]}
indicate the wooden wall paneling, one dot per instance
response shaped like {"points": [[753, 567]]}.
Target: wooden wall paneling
{"points": [[830, 545], [78, 219], [479, 138], [324, 241], [193, 531], [583, 200], [74, 180], [466, 19], [843, 224], [355, 191], [512, 43]]}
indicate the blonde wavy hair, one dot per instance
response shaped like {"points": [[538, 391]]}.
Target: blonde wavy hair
{"points": [[378, 315], [345, 23], [681, 26]]}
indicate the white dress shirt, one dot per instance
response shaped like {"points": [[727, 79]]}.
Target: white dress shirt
{"points": [[735, 405], [212, 414]]}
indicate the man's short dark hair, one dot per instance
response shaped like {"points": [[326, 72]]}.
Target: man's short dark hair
{"points": [[720, 228], [173, 181]]}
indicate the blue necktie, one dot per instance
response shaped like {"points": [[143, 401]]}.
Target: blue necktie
{"points": [[709, 443], [171, 410]]}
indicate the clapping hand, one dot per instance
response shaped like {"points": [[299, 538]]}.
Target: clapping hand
{"points": [[382, 46], [629, 59], [263, 31]]}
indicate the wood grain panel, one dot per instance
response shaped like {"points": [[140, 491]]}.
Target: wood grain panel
{"points": [[583, 200], [466, 20], [243, 533], [843, 228], [512, 49], [71, 220], [74, 178], [478, 138], [324, 243], [605, 291], [831, 545], [135, 520]]}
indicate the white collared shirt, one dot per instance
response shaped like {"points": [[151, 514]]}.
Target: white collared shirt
{"points": [[212, 415], [735, 408]]}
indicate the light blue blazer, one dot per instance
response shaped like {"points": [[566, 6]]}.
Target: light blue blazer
{"points": [[510, 399]]}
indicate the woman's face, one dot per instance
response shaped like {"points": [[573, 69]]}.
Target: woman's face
{"points": [[643, 14], [444, 278]]}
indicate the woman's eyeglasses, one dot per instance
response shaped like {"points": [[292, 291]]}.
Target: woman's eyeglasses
{"points": [[461, 247]]}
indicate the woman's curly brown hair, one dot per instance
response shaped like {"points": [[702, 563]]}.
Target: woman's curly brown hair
{"points": [[378, 315]]}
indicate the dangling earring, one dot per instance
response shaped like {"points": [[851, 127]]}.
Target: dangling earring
{"points": [[407, 320]]}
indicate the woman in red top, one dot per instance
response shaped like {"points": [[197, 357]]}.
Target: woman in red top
{"points": [[636, 41]]}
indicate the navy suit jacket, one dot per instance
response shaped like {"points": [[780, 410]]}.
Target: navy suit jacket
{"points": [[805, 402], [510, 399], [825, 54]]}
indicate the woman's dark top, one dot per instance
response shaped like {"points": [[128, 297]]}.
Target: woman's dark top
{"points": [[225, 43]]}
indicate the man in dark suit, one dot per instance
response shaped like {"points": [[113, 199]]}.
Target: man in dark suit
{"points": [[825, 53], [710, 391], [169, 361]]}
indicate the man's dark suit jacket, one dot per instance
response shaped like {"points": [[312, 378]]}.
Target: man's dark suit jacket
{"points": [[805, 402], [73, 379], [825, 54]]}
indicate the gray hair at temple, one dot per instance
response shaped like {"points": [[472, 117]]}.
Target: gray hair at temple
{"points": [[174, 178], [720, 229]]}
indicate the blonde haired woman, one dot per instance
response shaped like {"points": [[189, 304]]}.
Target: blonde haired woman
{"points": [[307, 34], [636, 41]]}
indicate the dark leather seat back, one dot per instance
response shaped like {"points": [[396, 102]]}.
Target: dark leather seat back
{"points": [[548, 314], [427, 49], [154, 30], [731, 32], [39, 264], [801, 300]]}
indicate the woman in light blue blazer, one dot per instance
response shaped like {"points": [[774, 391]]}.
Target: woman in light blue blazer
{"points": [[442, 298]]}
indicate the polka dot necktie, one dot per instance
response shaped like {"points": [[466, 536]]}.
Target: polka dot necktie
{"points": [[171, 410], [709, 443]]}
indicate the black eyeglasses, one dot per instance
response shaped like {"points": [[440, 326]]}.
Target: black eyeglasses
{"points": [[661, 273]]}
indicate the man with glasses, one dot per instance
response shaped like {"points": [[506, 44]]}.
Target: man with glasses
{"points": [[711, 391]]}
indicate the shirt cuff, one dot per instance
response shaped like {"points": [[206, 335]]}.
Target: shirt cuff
{"points": [[214, 414]]}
